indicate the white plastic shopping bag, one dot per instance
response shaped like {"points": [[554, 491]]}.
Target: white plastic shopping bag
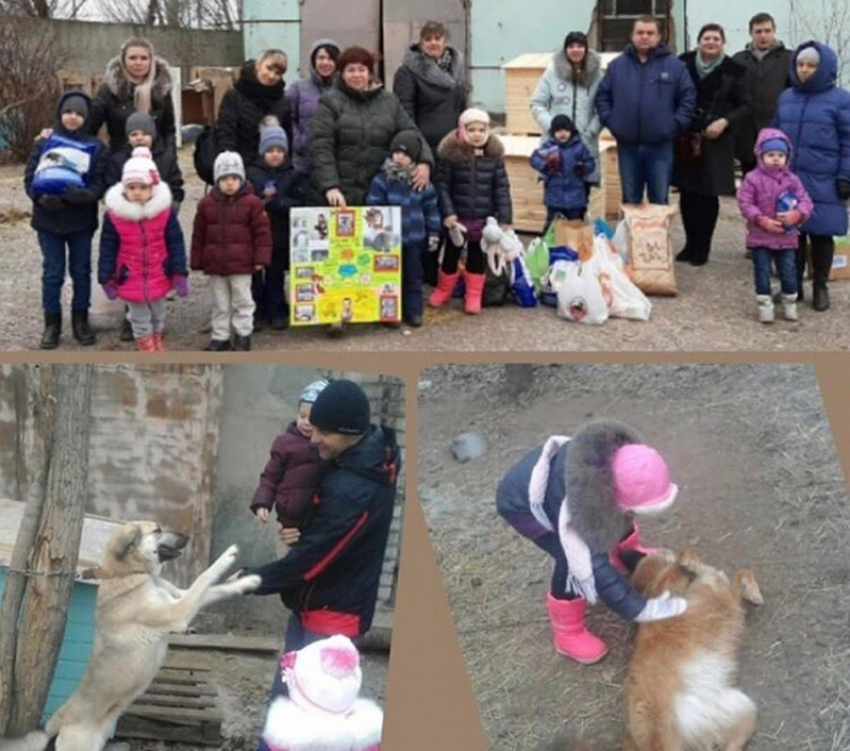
{"points": [[580, 296]]}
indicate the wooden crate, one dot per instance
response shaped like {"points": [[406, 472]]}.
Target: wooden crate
{"points": [[522, 74], [526, 189], [605, 200], [180, 705]]}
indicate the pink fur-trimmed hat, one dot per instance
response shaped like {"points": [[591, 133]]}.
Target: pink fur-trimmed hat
{"points": [[324, 675], [641, 480]]}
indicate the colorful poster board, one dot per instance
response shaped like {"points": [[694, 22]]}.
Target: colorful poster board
{"points": [[345, 265]]}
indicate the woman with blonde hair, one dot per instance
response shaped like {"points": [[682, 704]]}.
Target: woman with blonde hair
{"points": [[258, 93], [135, 81]]}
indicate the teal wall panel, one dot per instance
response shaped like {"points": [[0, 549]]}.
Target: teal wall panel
{"points": [[273, 24]]}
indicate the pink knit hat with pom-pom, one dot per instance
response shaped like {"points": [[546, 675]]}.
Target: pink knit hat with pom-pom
{"points": [[642, 480], [140, 168], [324, 675]]}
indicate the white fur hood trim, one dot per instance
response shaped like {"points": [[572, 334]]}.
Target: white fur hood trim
{"points": [[291, 728], [137, 212]]}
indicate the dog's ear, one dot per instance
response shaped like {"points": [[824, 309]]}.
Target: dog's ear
{"points": [[127, 541], [744, 585]]}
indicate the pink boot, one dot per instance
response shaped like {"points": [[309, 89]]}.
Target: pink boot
{"points": [[632, 542], [445, 287], [570, 636], [474, 291]]}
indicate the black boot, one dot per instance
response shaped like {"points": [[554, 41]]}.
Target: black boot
{"points": [[126, 334], [242, 343], [822, 265], [218, 345], [80, 326], [52, 331], [821, 296]]}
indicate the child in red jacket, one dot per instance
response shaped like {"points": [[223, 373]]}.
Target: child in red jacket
{"points": [[291, 478], [231, 240]]}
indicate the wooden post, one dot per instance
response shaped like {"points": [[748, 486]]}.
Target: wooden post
{"points": [[56, 548], [38, 387]]}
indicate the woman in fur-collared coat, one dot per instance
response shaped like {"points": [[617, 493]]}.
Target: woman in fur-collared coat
{"points": [[135, 81], [568, 87], [575, 498]]}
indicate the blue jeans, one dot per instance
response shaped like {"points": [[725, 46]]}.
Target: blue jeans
{"points": [[645, 165], [786, 267], [53, 269], [296, 638]]}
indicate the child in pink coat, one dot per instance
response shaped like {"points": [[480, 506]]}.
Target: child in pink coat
{"points": [[142, 253], [774, 202]]}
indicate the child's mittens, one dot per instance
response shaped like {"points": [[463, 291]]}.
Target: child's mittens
{"points": [[659, 608], [458, 234], [77, 195], [792, 218], [180, 284], [842, 187], [770, 225], [50, 203], [110, 289], [553, 161], [433, 243]]}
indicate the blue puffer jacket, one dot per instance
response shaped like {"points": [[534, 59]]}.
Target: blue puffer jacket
{"points": [[815, 115], [420, 213], [565, 188], [646, 102]]}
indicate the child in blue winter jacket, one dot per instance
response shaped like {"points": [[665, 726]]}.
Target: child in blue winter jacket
{"points": [[563, 161], [420, 217]]}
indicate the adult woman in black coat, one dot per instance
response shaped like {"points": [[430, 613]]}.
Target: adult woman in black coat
{"points": [[705, 155], [258, 92], [135, 81]]}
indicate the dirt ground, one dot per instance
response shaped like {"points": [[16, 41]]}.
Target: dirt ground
{"points": [[760, 486], [242, 681], [714, 310]]}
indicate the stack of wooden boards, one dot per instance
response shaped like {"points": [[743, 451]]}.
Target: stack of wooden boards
{"points": [[522, 75]]}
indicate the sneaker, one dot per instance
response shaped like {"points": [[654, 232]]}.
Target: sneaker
{"points": [[765, 308], [789, 307]]}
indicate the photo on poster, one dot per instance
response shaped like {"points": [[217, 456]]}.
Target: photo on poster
{"points": [[564, 510], [199, 497]]}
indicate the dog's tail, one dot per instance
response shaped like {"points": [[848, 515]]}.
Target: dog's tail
{"points": [[37, 740], [745, 586]]}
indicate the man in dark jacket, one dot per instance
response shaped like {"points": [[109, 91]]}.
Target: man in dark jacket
{"points": [[767, 61], [329, 578], [645, 99]]}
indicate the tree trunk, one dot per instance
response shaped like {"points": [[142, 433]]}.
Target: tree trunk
{"points": [[56, 549], [38, 386]]}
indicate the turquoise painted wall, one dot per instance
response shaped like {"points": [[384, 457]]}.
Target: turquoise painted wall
{"points": [[77, 644], [273, 24], [503, 29]]}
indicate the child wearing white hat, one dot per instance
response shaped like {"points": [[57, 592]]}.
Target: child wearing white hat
{"points": [[142, 253], [322, 711]]}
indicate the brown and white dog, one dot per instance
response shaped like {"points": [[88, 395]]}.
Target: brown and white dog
{"points": [[680, 692]]}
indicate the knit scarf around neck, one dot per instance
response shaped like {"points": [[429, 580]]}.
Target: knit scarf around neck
{"points": [[762, 54], [444, 62], [395, 173], [705, 68]]}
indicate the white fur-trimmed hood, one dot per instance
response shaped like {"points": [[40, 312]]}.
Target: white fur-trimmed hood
{"points": [[294, 729], [137, 212], [118, 83]]}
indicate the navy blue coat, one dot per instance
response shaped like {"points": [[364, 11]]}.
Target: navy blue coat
{"points": [[815, 115], [330, 578], [291, 189], [72, 217], [420, 212], [648, 102], [564, 189], [512, 503]]}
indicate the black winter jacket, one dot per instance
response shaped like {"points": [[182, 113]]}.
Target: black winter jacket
{"points": [[351, 134], [722, 93], [242, 109], [291, 187], [114, 103], [766, 80], [472, 186], [433, 97], [330, 578], [72, 217], [165, 161]]}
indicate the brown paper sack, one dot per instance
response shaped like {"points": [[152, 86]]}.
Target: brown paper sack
{"points": [[651, 248], [575, 234]]}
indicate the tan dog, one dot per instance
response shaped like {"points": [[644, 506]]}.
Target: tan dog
{"points": [[680, 693], [136, 611]]}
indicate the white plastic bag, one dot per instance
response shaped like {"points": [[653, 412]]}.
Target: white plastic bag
{"points": [[580, 296], [623, 297], [620, 241]]}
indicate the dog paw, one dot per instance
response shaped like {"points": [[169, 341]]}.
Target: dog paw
{"points": [[688, 559], [746, 584], [247, 583]]}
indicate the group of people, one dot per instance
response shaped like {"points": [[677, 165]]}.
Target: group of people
{"points": [[677, 121], [683, 122]]}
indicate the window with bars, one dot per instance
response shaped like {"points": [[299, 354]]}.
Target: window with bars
{"points": [[616, 18]]}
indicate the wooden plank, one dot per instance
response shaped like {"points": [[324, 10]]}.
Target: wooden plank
{"points": [[177, 715], [233, 642], [180, 689], [139, 727], [184, 663], [165, 700]]}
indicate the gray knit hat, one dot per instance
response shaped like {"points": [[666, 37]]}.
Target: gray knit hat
{"points": [[228, 163], [141, 121], [272, 135], [311, 391], [809, 54], [78, 103]]}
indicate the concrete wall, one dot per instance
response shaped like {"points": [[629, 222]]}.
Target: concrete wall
{"points": [[91, 46]]}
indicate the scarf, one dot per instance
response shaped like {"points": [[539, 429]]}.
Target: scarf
{"points": [[444, 62], [705, 68], [762, 54], [395, 173]]}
